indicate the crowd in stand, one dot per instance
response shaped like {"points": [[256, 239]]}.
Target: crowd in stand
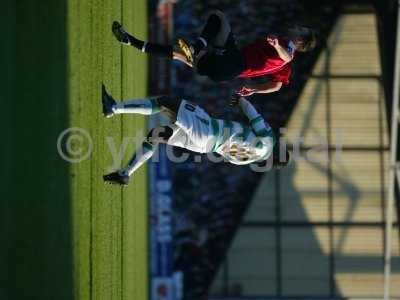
{"points": [[209, 198]]}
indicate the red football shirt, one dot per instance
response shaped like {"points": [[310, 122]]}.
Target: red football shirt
{"points": [[262, 59]]}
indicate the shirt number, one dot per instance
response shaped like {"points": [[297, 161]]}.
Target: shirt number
{"points": [[190, 107]]}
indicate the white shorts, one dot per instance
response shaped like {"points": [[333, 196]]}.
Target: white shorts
{"points": [[194, 130]]}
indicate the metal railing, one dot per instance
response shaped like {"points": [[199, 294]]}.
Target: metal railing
{"points": [[394, 170]]}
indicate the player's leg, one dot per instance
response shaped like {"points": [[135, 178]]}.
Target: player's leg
{"points": [[144, 106], [156, 136], [124, 37], [167, 105], [167, 51], [223, 61], [209, 32], [214, 33], [221, 36]]}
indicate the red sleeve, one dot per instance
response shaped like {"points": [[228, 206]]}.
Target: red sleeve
{"points": [[283, 75]]}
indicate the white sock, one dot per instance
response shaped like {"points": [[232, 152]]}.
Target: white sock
{"points": [[146, 106], [141, 155]]}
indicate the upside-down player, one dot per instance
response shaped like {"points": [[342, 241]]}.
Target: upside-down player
{"points": [[216, 55], [193, 129]]}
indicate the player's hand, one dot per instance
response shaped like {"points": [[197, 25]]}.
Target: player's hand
{"points": [[273, 41], [246, 91]]}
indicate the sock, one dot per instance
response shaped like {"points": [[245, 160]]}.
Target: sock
{"points": [[157, 49], [146, 106], [135, 42], [141, 155]]}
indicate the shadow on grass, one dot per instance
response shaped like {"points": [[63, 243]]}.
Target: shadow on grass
{"points": [[36, 247]]}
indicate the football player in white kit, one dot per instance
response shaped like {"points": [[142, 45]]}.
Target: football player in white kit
{"points": [[193, 129]]}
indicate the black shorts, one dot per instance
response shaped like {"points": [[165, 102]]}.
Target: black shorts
{"points": [[222, 64]]}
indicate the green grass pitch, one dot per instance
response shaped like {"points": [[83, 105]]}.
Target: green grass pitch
{"points": [[64, 234]]}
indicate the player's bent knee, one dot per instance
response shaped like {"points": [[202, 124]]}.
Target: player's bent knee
{"points": [[222, 26], [218, 13], [223, 20], [215, 19]]}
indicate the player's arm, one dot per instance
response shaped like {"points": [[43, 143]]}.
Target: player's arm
{"points": [[261, 129], [256, 120], [264, 88], [282, 52]]}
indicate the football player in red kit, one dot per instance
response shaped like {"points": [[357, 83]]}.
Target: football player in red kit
{"points": [[216, 55]]}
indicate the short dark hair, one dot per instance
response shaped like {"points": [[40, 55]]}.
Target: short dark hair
{"points": [[307, 35], [309, 41]]}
